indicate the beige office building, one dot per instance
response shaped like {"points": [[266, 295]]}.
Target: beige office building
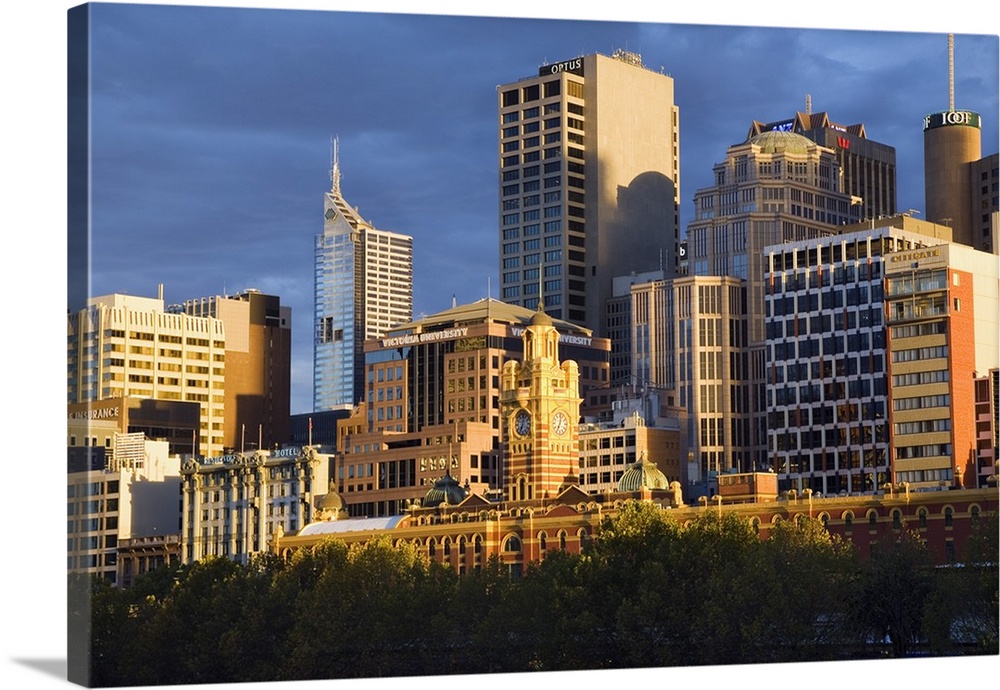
{"points": [[689, 335], [589, 182], [127, 346]]}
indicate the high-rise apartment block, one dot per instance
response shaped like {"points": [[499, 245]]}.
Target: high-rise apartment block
{"points": [[589, 182], [258, 366], [126, 346], [363, 286], [868, 167], [943, 315]]}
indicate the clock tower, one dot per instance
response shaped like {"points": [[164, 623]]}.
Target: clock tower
{"points": [[540, 409]]}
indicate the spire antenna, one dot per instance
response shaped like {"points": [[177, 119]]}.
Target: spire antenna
{"points": [[951, 71], [335, 164]]}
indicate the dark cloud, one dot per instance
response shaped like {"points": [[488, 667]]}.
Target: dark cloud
{"points": [[212, 128]]}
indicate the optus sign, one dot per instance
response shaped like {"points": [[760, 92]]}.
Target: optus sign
{"points": [[575, 66], [951, 118]]}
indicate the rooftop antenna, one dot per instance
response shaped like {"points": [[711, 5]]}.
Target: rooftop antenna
{"points": [[809, 104], [335, 164], [951, 71]]}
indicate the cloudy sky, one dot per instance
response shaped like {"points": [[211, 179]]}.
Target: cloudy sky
{"points": [[211, 135], [211, 130]]}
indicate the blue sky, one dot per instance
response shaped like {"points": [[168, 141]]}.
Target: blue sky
{"points": [[214, 128], [211, 130]]}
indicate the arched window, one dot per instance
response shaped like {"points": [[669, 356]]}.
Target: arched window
{"points": [[461, 545], [542, 541], [825, 519], [755, 524], [974, 512], [848, 521], [562, 540], [431, 547], [897, 520], [872, 520], [948, 515], [477, 544], [446, 543], [512, 544], [922, 518]]}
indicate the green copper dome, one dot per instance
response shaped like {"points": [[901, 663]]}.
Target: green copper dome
{"points": [[642, 475], [781, 142], [445, 490]]}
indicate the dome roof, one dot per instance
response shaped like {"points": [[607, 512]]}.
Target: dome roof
{"points": [[775, 141], [642, 475], [445, 490], [331, 501], [540, 318]]}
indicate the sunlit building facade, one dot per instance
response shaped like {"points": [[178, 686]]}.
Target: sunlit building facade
{"points": [[589, 182], [127, 346]]}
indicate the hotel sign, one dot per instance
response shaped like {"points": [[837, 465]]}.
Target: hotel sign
{"points": [[574, 66], [950, 118]]}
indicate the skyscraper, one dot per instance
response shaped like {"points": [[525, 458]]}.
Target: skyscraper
{"points": [[589, 182], [777, 186], [363, 286]]}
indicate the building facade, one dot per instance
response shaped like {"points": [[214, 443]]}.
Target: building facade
{"points": [[233, 505], [108, 505], [943, 315], [828, 381], [589, 182], [258, 366], [126, 346], [363, 286], [690, 336]]}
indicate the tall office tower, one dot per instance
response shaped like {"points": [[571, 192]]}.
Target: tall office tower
{"points": [[775, 187], [952, 143], [827, 371], [869, 168], [690, 336], [589, 182], [943, 313], [125, 346], [258, 366], [363, 287]]}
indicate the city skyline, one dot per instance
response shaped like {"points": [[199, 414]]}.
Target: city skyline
{"points": [[36, 70], [222, 150]]}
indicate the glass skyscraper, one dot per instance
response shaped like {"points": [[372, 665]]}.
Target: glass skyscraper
{"points": [[363, 286]]}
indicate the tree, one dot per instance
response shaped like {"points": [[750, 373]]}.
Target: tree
{"points": [[890, 593]]}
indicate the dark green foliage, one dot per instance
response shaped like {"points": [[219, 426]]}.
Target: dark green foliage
{"points": [[651, 592]]}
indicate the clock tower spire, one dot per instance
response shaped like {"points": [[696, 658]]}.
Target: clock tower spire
{"points": [[540, 409]]}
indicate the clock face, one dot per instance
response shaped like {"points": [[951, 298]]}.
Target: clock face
{"points": [[560, 422], [522, 423]]}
